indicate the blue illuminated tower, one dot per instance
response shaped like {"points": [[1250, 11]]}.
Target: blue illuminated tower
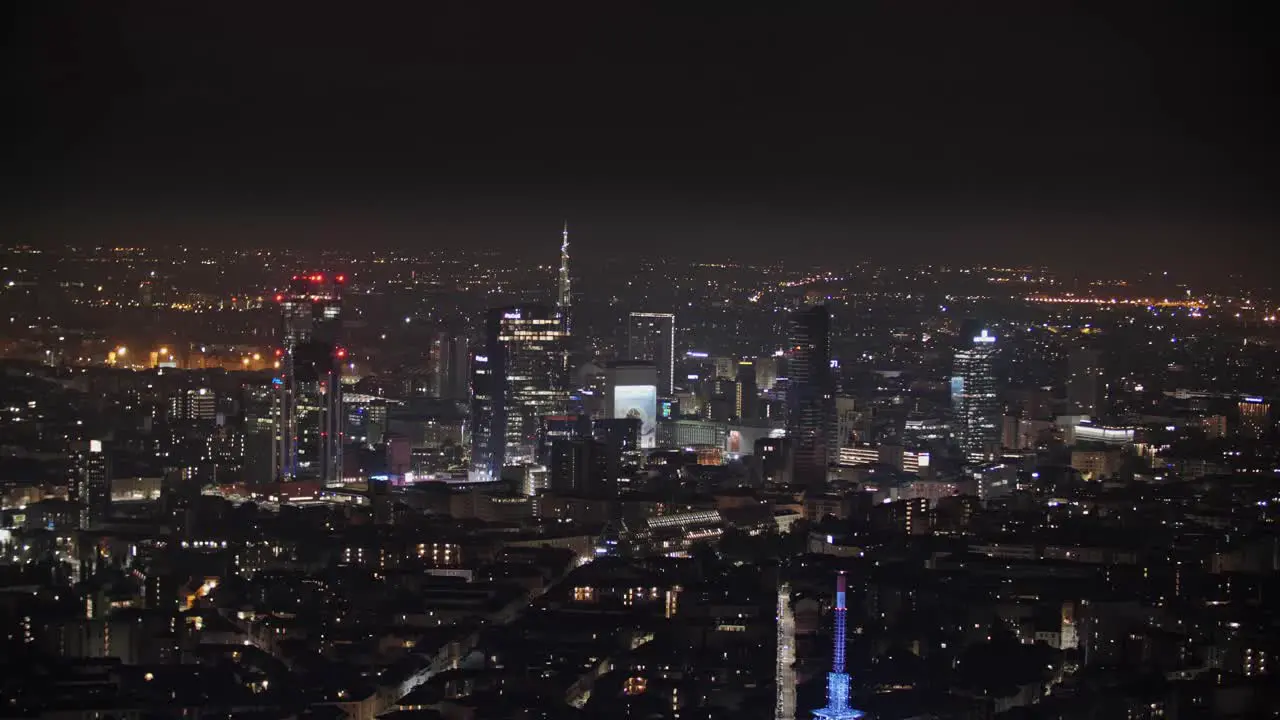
{"points": [[838, 680]]}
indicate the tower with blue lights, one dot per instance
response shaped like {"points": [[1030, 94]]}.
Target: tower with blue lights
{"points": [[838, 680]]}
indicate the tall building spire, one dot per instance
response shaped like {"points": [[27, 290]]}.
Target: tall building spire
{"points": [[564, 298], [838, 680]]}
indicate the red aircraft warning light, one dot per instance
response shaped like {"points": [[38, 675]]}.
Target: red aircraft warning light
{"points": [[341, 278], [342, 352]]}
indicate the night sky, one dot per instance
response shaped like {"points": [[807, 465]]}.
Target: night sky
{"points": [[1080, 135]]}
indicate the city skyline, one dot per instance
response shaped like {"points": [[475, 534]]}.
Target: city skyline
{"points": [[545, 362], [990, 530]]}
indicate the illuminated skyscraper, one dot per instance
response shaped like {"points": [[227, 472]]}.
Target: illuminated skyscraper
{"points": [[810, 394], [309, 391], [975, 403], [564, 308], [652, 337], [838, 680], [310, 308], [564, 294], [91, 483], [517, 379], [746, 396], [487, 428]]}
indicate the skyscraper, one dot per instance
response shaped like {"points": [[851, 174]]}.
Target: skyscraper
{"points": [[308, 391], [564, 294], [564, 308], [747, 397], [261, 425], [1084, 383], [91, 478], [310, 308], [810, 396], [652, 337], [487, 428], [766, 373], [517, 379], [974, 400], [581, 466], [837, 707], [449, 366]]}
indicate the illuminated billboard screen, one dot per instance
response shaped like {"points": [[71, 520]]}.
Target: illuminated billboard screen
{"points": [[638, 401]]}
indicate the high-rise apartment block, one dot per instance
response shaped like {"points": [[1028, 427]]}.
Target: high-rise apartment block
{"points": [[91, 483], [975, 401]]}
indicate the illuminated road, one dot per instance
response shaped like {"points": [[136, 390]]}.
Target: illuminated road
{"points": [[785, 674]]}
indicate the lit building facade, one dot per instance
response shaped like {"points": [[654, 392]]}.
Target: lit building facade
{"points": [[746, 399], [309, 423], [974, 398], [520, 377], [91, 468], [1255, 416], [193, 405], [784, 668]]}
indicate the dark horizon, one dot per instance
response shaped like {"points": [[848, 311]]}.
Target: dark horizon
{"points": [[1070, 135]]}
